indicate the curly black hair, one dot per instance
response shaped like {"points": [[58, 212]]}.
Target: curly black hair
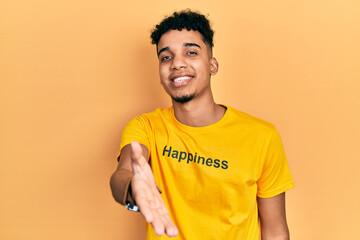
{"points": [[187, 19]]}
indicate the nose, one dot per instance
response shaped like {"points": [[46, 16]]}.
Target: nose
{"points": [[178, 62]]}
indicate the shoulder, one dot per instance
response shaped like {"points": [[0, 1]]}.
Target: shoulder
{"points": [[159, 114], [251, 122]]}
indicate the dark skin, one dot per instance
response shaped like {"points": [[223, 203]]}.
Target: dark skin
{"points": [[135, 157], [186, 65], [273, 218]]}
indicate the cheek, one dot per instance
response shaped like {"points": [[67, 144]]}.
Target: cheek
{"points": [[162, 74], [163, 79], [202, 64], [203, 68]]}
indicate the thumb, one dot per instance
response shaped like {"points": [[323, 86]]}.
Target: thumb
{"points": [[136, 153]]}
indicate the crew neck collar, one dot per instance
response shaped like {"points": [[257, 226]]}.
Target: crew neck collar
{"points": [[210, 127]]}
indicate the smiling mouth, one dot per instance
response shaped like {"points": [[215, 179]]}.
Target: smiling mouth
{"points": [[181, 79]]}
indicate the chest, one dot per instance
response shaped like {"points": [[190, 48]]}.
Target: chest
{"points": [[226, 156]]}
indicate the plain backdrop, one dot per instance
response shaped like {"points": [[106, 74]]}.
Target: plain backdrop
{"points": [[73, 73]]}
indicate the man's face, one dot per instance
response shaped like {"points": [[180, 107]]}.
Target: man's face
{"points": [[185, 65]]}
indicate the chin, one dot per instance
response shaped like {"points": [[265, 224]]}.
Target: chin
{"points": [[183, 99]]}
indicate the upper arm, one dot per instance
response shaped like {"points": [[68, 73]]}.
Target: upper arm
{"points": [[273, 217]]}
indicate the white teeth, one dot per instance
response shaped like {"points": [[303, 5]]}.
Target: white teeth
{"points": [[181, 79]]}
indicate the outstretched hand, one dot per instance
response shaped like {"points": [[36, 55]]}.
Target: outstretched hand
{"points": [[147, 196]]}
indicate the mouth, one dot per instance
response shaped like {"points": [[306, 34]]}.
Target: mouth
{"points": [[179, 81]]}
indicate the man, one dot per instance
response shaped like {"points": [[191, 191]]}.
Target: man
{"points": [[199, 170]]}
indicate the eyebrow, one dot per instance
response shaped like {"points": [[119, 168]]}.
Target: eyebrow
{"points": [[162, 50], [185, 45], [191, 45]]}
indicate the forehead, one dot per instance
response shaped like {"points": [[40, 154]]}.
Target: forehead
{"points": [[176, 38]]}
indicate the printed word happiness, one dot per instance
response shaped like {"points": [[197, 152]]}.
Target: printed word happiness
{"points": [[182, 156]]}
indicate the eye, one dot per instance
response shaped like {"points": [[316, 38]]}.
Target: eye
{"points": [[192, 53], [165, 58]]}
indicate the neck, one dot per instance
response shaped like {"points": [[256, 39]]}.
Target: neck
{"points": [[198, 113]]}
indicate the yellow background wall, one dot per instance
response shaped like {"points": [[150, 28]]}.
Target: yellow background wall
{"points": [[74, 72]]}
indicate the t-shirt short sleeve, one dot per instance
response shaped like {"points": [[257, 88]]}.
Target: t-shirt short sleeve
{"points": [[135, 130], [275, 177]]}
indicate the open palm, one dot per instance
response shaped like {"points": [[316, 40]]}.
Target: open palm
{"points": [[147, 195]]}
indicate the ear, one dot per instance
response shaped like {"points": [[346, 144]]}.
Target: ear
{"points": [[214, 66]]}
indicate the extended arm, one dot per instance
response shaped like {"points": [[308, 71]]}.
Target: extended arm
{"points": [[121, 179], [273, 218], [133, 159]]}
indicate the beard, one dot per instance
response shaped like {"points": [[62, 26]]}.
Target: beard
{"points": [[184, 99]]}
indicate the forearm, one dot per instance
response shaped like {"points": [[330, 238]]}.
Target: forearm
{"points": [[284, 236], [272, 216], [120, 186], [275, 231]]}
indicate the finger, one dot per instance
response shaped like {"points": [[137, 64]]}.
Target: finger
{"points": [[136, 150], [137, 158], [162, 209], [160, 203], [157, 201], [163, 213], [158, 211], [170, 228], [144, 201], [146, 211], [158, 225]]}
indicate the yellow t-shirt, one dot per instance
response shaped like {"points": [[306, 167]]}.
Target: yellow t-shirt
{"points": [[210, 176]]}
